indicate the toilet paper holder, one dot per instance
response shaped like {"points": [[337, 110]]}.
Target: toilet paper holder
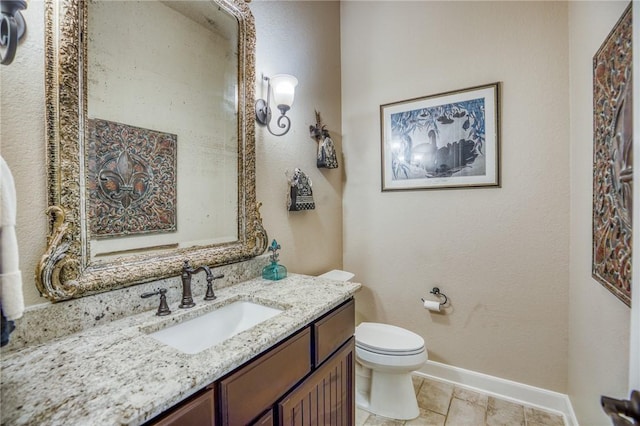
{"points": [[436, 291]]}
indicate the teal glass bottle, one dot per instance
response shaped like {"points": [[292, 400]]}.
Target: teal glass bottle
{"points": [[274, 271]]}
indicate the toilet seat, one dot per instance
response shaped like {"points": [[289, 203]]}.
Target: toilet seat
{"points": [[390, 353], [387, 339]]}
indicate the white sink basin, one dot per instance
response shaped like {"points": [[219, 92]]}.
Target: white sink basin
{"points": [[207, 330]]}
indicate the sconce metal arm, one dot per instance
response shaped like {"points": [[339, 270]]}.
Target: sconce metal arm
{"points": [[263, 113], [12, 27]]}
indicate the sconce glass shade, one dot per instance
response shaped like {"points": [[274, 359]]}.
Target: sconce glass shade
{"points": [[283, 86]]}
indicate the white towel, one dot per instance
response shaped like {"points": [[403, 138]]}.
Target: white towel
{"points": [[11, 296]]}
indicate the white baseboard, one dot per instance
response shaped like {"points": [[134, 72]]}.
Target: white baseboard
{"points": [[505, 389]]}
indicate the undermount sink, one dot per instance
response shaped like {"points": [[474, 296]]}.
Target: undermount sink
{"points": [[207, 330]]}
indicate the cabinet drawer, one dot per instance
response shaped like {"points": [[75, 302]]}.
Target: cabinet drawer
{"points": [[196, 411], [333, 330], [255, 387]]}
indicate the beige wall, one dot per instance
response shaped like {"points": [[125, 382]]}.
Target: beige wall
{"points": [[501, 255], [598, 321], [297, 38], [303, 39]]}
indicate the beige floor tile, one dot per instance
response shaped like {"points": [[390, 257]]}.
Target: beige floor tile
{"points": [[535, 417], [361, 416], [374, 420], [464, 413], [504, 413], [473, 397], [435, 396], [427, 418], [443, 404]]}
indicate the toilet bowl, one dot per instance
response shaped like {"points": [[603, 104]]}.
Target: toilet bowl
{"points": [[385, 357]]}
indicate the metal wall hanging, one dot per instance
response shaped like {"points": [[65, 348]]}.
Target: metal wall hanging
{"points": [[327, 157], [132, 180], [613, 160], [300, 193]]}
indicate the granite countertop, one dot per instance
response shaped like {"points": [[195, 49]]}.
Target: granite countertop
{"points": [[115, 374]]}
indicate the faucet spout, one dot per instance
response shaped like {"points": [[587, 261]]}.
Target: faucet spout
{"points": [[187, 272]]}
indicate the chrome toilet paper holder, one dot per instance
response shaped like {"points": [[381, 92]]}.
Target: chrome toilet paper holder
{"points": [[436, 291]]}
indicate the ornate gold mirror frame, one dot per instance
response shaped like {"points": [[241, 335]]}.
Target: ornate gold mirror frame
{"points": [[65, 270]]}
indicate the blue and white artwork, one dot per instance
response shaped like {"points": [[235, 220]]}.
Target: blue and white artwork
{"points": [[441, 141]]}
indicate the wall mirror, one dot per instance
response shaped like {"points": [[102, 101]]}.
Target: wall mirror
{"points": [[150, 141]]}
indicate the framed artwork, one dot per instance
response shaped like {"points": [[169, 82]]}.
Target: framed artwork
{"points": [[448, 140], [613, 160], [131, 181]]}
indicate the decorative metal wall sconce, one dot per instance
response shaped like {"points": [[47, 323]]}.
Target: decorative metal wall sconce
{"points": [[283, 87], [12, 28]]}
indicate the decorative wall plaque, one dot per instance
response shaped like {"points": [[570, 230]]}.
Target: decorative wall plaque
{"points": [[613, 160], [300, 195], [131, 180]]}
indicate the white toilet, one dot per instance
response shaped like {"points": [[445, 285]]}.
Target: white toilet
{"points": [[386, 355]]}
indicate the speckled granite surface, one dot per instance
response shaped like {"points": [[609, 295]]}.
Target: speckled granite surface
{"points": [[48, 321], [115, 374]]}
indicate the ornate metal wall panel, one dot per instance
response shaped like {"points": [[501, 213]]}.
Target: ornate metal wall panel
{"points": [[613, 160], [132, 184]]}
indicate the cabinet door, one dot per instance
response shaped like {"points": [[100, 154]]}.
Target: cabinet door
{"points": [[196, 411], [326, 398], [254, 388]]}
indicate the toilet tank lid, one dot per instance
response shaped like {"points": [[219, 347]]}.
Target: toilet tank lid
{"points": [[387, 337], [338, 275]]}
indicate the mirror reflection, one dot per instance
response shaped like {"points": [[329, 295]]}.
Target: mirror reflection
{"points": [[162, 139], [150, 141]]}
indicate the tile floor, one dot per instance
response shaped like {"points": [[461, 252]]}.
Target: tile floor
{"points": [[444, 404]]}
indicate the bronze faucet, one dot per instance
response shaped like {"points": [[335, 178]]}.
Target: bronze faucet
{"points": [[187, 272]]}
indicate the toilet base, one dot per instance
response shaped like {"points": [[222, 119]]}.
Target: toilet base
{"points": [[375, 397]]}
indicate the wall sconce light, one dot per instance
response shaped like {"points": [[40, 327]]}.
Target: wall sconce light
{"points": [[12, 27], [283, 87]]}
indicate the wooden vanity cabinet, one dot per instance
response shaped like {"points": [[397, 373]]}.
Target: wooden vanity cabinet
{"points": [[266, 419], [327, 396], [252, 389], [198, 410], [308, 379]]}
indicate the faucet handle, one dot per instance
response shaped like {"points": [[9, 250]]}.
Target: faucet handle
{"points": [[163, 309], [210, 277]]}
